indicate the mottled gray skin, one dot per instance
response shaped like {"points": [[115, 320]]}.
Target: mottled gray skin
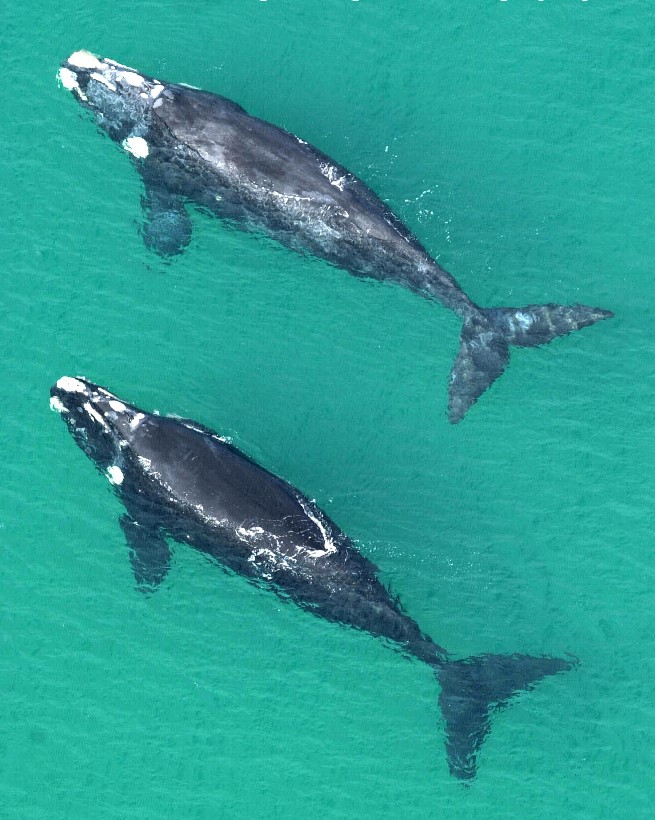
{"points": [[178, 480], [201, 148]]}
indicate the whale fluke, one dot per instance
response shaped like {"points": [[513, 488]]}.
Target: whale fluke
{"points": [[487, 335], [472, 687]]}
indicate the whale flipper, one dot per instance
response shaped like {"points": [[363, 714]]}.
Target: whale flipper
{"points": [[472, 687], [167, 226], [487, 335], [150, 555]]}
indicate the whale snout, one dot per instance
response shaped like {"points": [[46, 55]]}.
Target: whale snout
{"points": [[77, 70], [77, 394], [90, 409], [119, 96], [68, 391]]}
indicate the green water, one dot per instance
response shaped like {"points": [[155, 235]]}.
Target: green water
{"points": [[515, 138]]}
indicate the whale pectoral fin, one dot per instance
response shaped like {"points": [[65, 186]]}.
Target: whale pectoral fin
{"points": [[167, 226], [150, 555]]}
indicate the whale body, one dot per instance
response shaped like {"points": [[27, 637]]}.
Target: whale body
{"points": [[181, 482], [192, 146]]}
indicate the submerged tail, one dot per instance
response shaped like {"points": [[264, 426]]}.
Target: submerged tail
{"points": [[470, 688], [487, 335]]}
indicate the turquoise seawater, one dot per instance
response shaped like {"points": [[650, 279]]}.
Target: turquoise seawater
{"points": [[516, 139]]}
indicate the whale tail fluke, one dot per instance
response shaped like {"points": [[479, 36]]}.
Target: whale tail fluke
{"points": [[472, 687], [487, 335]]}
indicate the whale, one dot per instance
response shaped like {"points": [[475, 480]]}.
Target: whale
{"points": [[193, 147], [181, 483]]}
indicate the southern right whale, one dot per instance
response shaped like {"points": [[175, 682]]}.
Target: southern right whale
{"points": [[178, 480], [191, 146]]}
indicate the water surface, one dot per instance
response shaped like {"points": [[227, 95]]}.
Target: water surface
{"points": [[515, 139]]}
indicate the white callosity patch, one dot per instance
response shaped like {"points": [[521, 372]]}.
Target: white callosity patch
{"points": [[118, 406], [84, 59], [57, 405], [131, 78], [102, 79], [90, 409], [115, 474], [156, 90], [67, 78], [136, 421], [136, 146], [71, 385]]}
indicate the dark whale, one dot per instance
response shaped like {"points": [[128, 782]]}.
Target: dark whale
{"points": [[191, 146], [180, 481]]}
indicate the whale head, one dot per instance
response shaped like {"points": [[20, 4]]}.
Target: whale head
{"points": [[120, 97], [101, 424]]}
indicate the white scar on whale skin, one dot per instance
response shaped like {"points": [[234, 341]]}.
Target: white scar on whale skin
{"points": [[118, 406], [136, 146], [71, 385]]}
